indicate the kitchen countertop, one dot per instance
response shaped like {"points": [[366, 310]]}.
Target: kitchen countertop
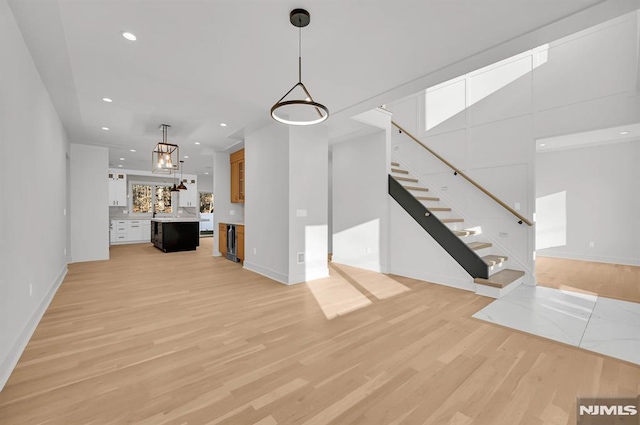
{"points": [[235, 223], [178, 219]]}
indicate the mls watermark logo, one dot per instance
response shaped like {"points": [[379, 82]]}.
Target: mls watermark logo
{"points": [[608, 411]]}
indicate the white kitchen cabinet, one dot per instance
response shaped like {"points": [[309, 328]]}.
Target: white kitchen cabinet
{"points": [[117, 189], [146, 230], [120, 228], [130, 231], [134, 230], [189, 197]]}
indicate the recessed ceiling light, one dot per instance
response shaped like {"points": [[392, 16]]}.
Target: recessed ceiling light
{"points": [[132, 150], [206, 173], [129, 36], [197, 143], [121, 159], [105, 128], [106, 99], [186, 156], [624, 133], [120, 165], [543, 144], [223, 124]]}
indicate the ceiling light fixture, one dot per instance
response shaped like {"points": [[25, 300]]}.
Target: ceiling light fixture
{"points": [[223, 124], [106, 99], [132, 150], [543, 144], [129, 36], [624, 133], [181, 186], [165, 156], [186, 157], [121, 159], [197, 143], [105, 128], [299, 111]]}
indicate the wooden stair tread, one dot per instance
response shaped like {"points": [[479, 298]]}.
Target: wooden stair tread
{"points": [[395, 164], [424, 189], [399, 171], [427, 198], [479, 245], [452, 220], [501, 279], [406, 179], [464, 232], [439, 209], [492, 260]]}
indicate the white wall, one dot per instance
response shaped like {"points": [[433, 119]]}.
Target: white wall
{"points": [[360, 202], [33, 227], [205, 183], [286, 202], [89, 201], [602, 189], [308, 196], [267, 202]]}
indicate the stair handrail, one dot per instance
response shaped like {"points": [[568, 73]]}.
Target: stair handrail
{"points": [[521, 218]]}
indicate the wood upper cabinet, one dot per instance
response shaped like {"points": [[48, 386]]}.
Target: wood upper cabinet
{"points": [[237, 176], [222, 239]]}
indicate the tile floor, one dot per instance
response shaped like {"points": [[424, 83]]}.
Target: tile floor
{"points": [[603, 325]]}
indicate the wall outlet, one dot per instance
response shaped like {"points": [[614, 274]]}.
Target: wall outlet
{"points": [[592, 244], [232, 212], [368, 250], [301, 258], [516, 206], [255, 251], [444, 188], [503, 234]]}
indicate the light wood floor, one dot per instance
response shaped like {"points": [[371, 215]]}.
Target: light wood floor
{"points": [[184, 338], [608, 280]]}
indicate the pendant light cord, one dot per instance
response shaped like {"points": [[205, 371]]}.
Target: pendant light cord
{"points": [[300, 52]]}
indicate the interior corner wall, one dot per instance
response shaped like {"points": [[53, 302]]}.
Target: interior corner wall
{"points": [[89, 196], [360, 202], [601, 185], [267, 202], [33, 227], [308, 202]]}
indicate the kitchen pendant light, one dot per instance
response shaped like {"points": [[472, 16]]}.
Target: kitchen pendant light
{"points": [[304, 111], [165, 156], [181, 186]]}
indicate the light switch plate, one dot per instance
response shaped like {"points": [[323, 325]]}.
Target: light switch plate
{"points": [[301, 213]]}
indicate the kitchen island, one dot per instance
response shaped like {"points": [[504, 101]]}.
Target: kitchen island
{"points": [[175, 234]]}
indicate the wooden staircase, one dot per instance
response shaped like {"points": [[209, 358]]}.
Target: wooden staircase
{"points": [[500, 280]]}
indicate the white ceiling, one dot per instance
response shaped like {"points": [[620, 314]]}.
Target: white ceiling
{"points": [[198, 63]]}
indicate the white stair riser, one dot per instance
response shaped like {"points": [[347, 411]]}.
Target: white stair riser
{"points": [[492, 292]]}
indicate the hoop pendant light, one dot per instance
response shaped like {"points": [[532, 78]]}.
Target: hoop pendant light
{"points": [[306, 111]]}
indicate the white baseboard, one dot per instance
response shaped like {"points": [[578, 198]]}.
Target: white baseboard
{"points": [[361, 264], [309, 275], [11, 360], [593, 258], [264, 271]]}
